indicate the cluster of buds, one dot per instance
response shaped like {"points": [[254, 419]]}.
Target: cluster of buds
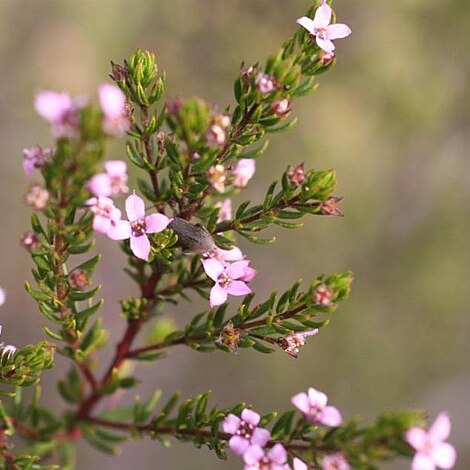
{"points": [[322, 296], [296, 174]]}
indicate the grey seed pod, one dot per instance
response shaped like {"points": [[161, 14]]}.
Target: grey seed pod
{"points": [[192, 238]]}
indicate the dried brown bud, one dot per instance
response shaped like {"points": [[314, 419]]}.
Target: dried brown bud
{"points": [[78, 279]]}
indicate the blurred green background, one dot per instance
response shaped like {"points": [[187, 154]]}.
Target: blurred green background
{"points": [[392, 118]]}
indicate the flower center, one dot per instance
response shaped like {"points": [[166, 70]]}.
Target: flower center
{"points": [[265, 463], [321, 33], [138, 227], [223, 280], [245, 430]]}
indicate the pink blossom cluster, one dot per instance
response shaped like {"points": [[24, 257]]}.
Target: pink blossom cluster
{"points": [[253, 443], [61, 111], [230, 272]]}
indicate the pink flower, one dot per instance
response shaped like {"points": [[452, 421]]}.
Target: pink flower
{"points": [[299, 464], [111, 183], [245, 431], [228, 279], [216, 135], [335, 462], [323, 296], [2, 299], [137, 227], [35, 157], [225, 210], [265, 83], [292, 343], [221, 255], [257, 459], [313, 406], [59, 110], [281, 107], [244, 171], [113, 104], [321, 28], [107, 215], [431, 450]]}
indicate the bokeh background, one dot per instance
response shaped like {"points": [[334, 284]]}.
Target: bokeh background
{"points": [[392, 118]]}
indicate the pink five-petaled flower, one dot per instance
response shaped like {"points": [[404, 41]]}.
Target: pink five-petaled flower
{"points": [[257, 459], [113, 104], [313, 406], [111, 183], [431, 450], [335, 462], [245, 431], [228, 279], [244, 171], [106, 213], [59, 110], [321, 28], [137, 227]]}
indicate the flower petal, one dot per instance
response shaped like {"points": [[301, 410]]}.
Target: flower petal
{"points": [[115, 167], [156, 223], [102, 224], [440, 429], [237, 270], [260, 436], [218, 296], [422, 462], [52, 106], [338, 31], [278, 454], [330, 416], [301, 401], [250, 417], [299, 464], [307, 23], [325, 44], [238, 288], [444, 455], [231, 423], [100, 185], [238, 444], [213, 268], [112, 101], [317, 398], [135, 207], [140, 246], [322, 16], [121, 231], [417, 438], [234, 254], [253, 455]]}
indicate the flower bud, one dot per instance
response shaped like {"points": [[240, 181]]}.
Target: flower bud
{"points": [[30, 241], [296, 174], [37, 197], [322, 296], [265, 83], [217, 175], [281, 107]]}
